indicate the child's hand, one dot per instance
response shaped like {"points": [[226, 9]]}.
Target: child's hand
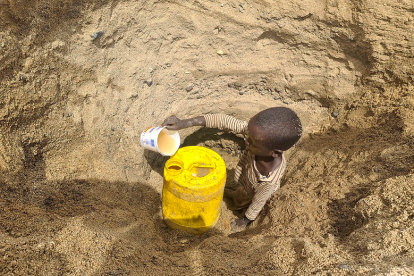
{"points": [[173, 123], [240, 224]]}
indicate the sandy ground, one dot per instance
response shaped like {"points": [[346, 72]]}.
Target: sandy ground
{"points": [[79, 196]]}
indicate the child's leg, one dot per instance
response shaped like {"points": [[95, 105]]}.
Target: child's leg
{"points": [[228, 193], [240, 198]]}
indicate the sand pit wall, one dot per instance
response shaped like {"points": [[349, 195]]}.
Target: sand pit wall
{"points": [[80, 81]]}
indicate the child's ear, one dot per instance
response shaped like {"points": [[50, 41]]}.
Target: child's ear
{"points": [[276, 153]]}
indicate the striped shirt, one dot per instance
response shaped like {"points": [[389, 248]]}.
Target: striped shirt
{"points": [[257, 187]]}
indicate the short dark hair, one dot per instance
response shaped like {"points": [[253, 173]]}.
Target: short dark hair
{"points": [[281, 126]]}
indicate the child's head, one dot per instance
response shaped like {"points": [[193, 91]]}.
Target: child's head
{"points": [[276, 128]]}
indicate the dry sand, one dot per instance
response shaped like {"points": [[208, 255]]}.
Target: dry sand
{"points": [[79, 196]]}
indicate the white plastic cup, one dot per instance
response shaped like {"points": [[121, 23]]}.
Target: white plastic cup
{"points": [[161, 140]]}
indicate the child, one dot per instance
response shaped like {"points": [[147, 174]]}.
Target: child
{"points": [[261, 166]]}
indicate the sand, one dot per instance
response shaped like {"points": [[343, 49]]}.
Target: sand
{"points": [[80, 81]]}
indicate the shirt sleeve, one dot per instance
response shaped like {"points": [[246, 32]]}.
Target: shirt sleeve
{"points": [[261, 196], [226, 122], [263, 191]]}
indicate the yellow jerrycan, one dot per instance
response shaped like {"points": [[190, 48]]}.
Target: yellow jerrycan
{"points": [[194, 179]]}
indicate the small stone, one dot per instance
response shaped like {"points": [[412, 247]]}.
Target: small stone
{"points": [[13, 263], [183, 241], [344, 266], [335, 113], [148, 82], [112, 128], [276, 98], [303, 205], [96, 35], [220, 52], [279, 88], [241, 93], [241, 5], [285, 102], [221, 5], [70, 114], [189, 87], [22, 77]]}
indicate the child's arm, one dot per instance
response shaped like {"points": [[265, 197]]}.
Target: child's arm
{"points": [[226, 123], [173, 123], [220, 121]]}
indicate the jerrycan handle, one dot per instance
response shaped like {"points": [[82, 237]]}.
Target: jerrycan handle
{"points": [[174, 167]]}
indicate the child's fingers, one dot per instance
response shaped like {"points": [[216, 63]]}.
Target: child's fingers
{"points": [[172, 120]]}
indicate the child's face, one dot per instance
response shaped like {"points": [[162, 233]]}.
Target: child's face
{"points": [[255, 141]]}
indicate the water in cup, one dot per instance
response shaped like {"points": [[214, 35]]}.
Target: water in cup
{"points": [[161, 140], [166, 143]]}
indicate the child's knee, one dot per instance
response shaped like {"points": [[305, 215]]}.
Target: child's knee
{"points": [[228, 193], [240, 198]]}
